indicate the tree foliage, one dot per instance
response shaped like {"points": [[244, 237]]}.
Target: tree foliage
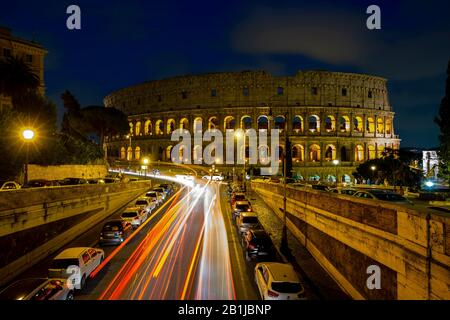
{"points": [[443, 121]]}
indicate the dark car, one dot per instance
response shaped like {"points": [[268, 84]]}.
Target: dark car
{"points": [[37, 289], [382, 195], [41, 183], [73, 181], [96, 181], [258, 245], [320, 187], [111, 180], [114, 232]]}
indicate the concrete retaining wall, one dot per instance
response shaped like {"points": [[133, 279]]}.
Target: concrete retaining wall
{"points": [[66, 171], [24, 211], [346, 235]]}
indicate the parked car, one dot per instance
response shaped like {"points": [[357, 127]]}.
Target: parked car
{"points": [[76, 264], [111, 180], [257, 244], [237, 196], [41, 183], [161, 191], [382, 195], [240, 206], [320, 187], [167, 186], [301, 185], [347, 191], [154, 196], [278, 281], [145, 203], [37, 289], [246, 221], [115, 232], [134, 215], [9, 185], [73, 181], [96, 181]]}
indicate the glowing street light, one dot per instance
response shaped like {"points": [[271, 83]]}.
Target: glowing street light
{"points": [[145, 162], [28, 135], [429, 184], [373, 168]]}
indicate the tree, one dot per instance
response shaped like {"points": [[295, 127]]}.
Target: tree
{"points": [[17, 78], [443, 121]]}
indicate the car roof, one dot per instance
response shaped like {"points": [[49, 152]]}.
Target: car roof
{"points": [[114, 221], [71, 253], [239, 194], [132, 209], [249, 214], [260, 233], [282, 272], [21, 288], [243, 202]]}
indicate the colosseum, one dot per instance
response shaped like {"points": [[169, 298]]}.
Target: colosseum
{"points": [[328, 116]]}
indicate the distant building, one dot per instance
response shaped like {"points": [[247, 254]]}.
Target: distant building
{"points": [[32, 52], [426, 160]]}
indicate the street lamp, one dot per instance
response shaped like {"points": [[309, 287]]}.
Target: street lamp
{"points": [[28, 135], [336, 163], [145, 162], [373, 168]]}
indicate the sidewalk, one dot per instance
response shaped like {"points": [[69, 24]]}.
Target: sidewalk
{"points": [[318, 284]]}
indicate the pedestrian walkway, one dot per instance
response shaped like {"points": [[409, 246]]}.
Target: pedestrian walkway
{"points": [[318, 283]]}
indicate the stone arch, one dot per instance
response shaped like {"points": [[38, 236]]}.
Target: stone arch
{"points": [[370, 125], [213, 123], [229, 123], [314, 152], [148, 127], [170, 126], [298, 153], [246, 122], [344, 154], [358, 124], [371, 153], [380, 126], [330, 123], [159, 127], [138, 128], [198, 124], [314, 123], [297, 124], [137, 153], [263, 122], [130, 153], [330, 152], [168, 155], [359, 153], [344, 124], [279, 122], [388, 126], [123, 153], [184, 124]]}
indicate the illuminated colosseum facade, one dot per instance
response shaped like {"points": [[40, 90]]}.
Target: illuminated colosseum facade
{"points": [[327, 115]]}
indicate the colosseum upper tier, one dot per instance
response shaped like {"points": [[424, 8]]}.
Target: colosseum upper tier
{"points": [[328, 116]]}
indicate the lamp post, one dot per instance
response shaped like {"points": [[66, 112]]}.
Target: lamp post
{"points": [[145, 162], [28, 136], [284, 242], [336, 163], [373, 168]]}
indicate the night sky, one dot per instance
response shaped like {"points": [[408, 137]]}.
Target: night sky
{"points": [[127, 42]]}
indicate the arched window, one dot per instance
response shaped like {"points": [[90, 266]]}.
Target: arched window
{"points": [[123, 153], [213, 123], [314, 153], [159, 127], [344, 154], [170, 126], [263, 123], [246, 122], [380, 126], [371, 152], [263, 151], [330, 123], [380, 150], [388, 126], [358, 124], [344, 124], [131, 128], [198, 124], [229, 123], [137, 153], [330, 152], [359, 153], [298, 153], [314, 123], [297, 124], [138, 128], [130, 153], [168, 156], [370, 125], [148, 127], [279, 123], [184, 124]]}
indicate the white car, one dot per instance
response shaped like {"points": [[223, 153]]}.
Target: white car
{"points": [[9, 185], [154, 197], [278, 281], [134, 215], [37, 289], [214, 177], [145, 204], [161, 191], [75, 265]]}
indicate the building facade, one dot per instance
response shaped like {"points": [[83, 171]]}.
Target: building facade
{"points": [[32, 53], [328, 116]]}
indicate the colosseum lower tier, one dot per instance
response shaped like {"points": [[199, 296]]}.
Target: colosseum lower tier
{"points": [[327, 116]]}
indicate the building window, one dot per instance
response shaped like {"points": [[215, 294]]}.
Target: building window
{"points": [[28, 58], [7, 52], [184, 95], [314, 91], [280, 91], [213, 93], [369, 94], [245, 92], [344, 92]]}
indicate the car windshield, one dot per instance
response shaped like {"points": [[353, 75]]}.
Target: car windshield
{"points": [[242, 207], [250, 220], [112, 226], [286, 287], [389, 197], [151, 194], [141, 203], [129, 214], [63, 263]]}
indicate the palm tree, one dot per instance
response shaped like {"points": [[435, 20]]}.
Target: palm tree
{"points": [[17, 78]]}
